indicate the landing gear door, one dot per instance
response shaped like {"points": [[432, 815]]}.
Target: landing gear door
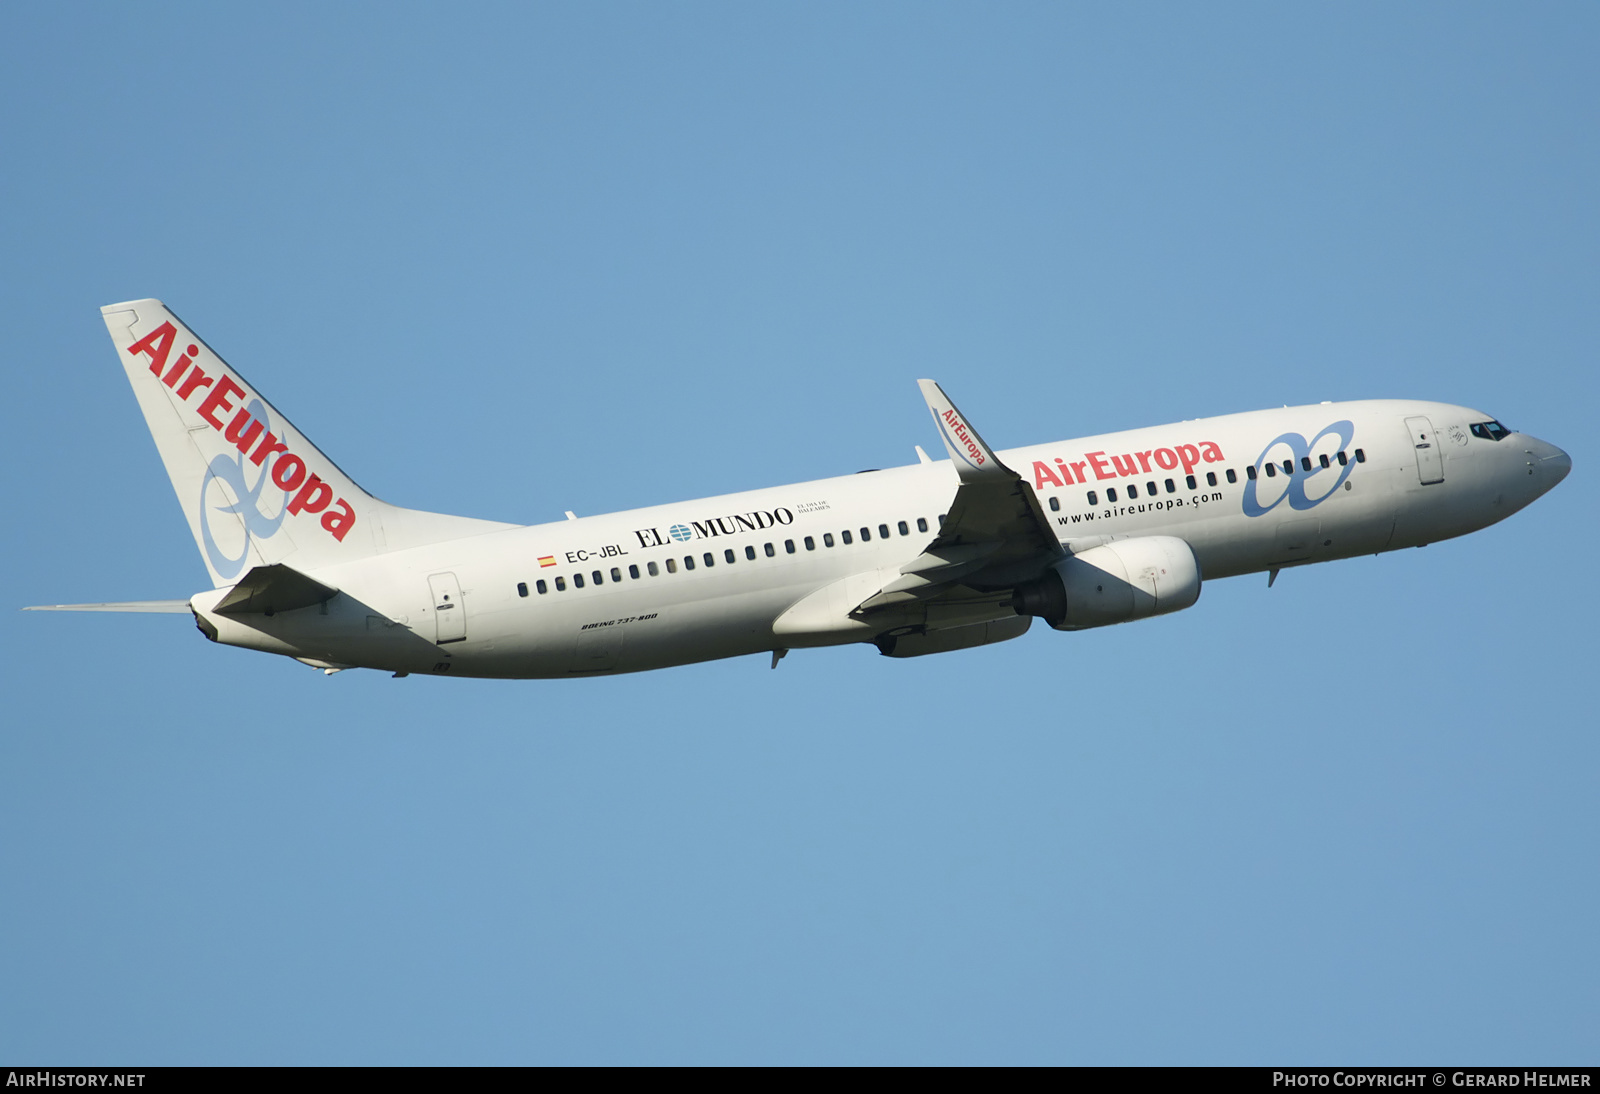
{"points": [[449, 613], [1430, 463]]}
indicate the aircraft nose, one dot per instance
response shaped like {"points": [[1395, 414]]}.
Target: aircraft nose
{"points": [[1547, 461], [1560, 464]]}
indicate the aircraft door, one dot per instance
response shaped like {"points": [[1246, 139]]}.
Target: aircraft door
{"points": [[1430, 463], [449, 612]]}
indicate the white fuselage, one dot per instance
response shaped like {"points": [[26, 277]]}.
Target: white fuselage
{"points": [[738, 563]]}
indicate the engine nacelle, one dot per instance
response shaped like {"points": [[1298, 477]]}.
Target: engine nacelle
{"points": [[1114, 583]]}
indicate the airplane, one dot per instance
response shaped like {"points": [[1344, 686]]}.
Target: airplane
{"points": [[927, 558]]}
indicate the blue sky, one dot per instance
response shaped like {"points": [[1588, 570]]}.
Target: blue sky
{"points": [[511, 260]]}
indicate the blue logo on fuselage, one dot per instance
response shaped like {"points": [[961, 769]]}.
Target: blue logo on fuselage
{"points": [[1298, 484]]}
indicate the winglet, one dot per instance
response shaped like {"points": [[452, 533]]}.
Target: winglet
{"points": [[974, 460]]}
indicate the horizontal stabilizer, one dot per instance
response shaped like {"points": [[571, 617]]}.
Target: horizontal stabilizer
{"points": [[275, 588], [171, 607]]}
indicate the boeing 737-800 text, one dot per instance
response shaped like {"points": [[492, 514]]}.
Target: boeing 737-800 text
{"points": [[932, 557]]}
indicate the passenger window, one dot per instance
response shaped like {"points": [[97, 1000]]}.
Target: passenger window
{"points": [[672, 565], [866, 535], [561, 584], [1150, 489], [633, 572], [1342, 460], [811, 544], [577, 581], [941, 520], [541, 586], [846, 537], [1324, 459], [904, 531], [1231, 477], [1361, 457], [1133, 492], [788, 546], [827, 539], [1272, 471], [1305, 463], [650, 568], [522, 588], [1093, 499], [1288, 468], [599, 578], [616, 574], [922, 524], [767, 547], [883, 531], [1055, 504], [728, 555], [711, 559], [688, 562], [1111, 494], [1173, 489]]}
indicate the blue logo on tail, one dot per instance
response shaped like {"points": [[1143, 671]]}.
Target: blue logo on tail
{"points": [[235, 475]]}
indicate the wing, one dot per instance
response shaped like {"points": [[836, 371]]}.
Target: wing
{"points": [[994, 536]]}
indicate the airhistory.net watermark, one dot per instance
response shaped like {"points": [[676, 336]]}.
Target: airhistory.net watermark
{"points": [[36, 1077]]}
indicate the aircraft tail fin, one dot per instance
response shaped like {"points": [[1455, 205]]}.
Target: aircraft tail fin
{"points": [[254, 489]]}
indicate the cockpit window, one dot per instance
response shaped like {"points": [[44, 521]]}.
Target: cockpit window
{"points": [[1490, 431]]}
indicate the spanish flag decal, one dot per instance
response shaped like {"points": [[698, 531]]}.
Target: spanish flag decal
{"points": [[547, 560]]}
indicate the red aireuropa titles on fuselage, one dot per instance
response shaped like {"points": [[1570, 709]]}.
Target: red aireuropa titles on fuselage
{"points": [[1127, 465]]}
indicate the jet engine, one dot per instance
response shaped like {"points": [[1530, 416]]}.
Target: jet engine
{"points": [[1116, 582]]}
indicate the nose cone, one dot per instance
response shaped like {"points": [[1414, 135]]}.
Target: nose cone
{"points": [[1560, 465], [1547, 463]]}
